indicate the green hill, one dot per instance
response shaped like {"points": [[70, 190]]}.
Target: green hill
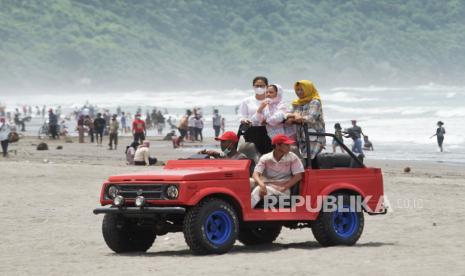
{"points": [[222, 44]]}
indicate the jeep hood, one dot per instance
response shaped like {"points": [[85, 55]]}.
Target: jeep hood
{"points": [[190, 170]]}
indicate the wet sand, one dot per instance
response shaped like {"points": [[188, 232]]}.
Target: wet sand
{"points": [[48, 227]]}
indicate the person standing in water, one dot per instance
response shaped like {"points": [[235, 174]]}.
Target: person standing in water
{"points": [[440, 131]]}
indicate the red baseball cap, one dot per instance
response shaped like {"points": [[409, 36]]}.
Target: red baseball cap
{"points": [[228, 136], [282, 139]]}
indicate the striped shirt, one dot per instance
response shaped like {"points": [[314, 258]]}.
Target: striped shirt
{"points": [[279, 171]]}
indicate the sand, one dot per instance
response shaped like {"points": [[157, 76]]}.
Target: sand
{"points": [[48, 227]]}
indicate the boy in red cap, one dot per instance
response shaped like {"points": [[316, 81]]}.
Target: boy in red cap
{"points": [[277, 171], [228, 145]]}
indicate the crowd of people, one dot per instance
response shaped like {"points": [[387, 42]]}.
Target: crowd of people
{"points": [[265, 113], [191, 126]]}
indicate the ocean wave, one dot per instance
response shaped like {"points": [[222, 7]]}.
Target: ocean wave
{"points": [[451, 112], [427, 87], [403, 110], [347, 98]]}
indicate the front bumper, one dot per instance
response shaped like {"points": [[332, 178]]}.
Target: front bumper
{"points": [[141, 211]]}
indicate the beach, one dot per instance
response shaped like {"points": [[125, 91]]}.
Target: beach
{"points": [[48, 227]]}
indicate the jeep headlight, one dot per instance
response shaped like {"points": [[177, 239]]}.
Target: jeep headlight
{"points": [[172, 192], [139, 201], [112, 191], [118, 201]]}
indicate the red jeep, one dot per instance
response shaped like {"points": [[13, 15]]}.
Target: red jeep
{"points": [[210, 202]]}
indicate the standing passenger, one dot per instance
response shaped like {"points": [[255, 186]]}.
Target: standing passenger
{"points": [[307, 109]]}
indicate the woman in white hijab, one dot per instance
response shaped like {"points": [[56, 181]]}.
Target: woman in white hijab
{"points": [[272, 111]]}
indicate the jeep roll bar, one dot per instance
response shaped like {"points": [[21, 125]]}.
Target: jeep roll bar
{"points": [[243, 129], [307, 141]]}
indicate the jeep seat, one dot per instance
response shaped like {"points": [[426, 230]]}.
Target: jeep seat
{"points": [[249, 150], [337, 160]]}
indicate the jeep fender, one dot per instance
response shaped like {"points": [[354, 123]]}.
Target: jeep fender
{"points": [[341, 186], [197, 197]]}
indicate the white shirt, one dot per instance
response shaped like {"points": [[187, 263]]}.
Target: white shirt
{"points": [[199, 123], [248, 110], [4, 131], [273, 115], [191, 122], [142, 154]]}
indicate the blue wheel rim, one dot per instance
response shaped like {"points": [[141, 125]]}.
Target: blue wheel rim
{"points": [[345, 224], [218, 227]]}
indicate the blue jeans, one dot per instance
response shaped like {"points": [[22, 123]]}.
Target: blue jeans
{"points": [[357, 146]]}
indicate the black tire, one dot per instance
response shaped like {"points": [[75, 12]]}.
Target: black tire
{"points": [[123, 235], [324, 228], [259, 235], [198, 225]]}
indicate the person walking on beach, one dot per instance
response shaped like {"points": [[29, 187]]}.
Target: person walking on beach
{"points": [[113, 131], [182, 128], [355, 132], [4, 135], [440, 131], [138, 129], [198, 128], [123, 122], [216, 122], [80, 128], [160, 122], [99, 127], [191, 127], [53, 123], [223, 125], [89, 123]]}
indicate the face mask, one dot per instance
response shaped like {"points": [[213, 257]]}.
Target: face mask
{"points": [[259, 90], [227, 151]]}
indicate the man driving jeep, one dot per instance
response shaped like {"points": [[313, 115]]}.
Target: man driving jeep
{"points": [[228, 144], [277, 171]]}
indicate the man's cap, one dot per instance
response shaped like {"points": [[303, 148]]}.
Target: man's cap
{"points": [[282, 139], [228, 136]]}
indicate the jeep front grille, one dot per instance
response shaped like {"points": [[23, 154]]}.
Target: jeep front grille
{"points": [[149, 191]]}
